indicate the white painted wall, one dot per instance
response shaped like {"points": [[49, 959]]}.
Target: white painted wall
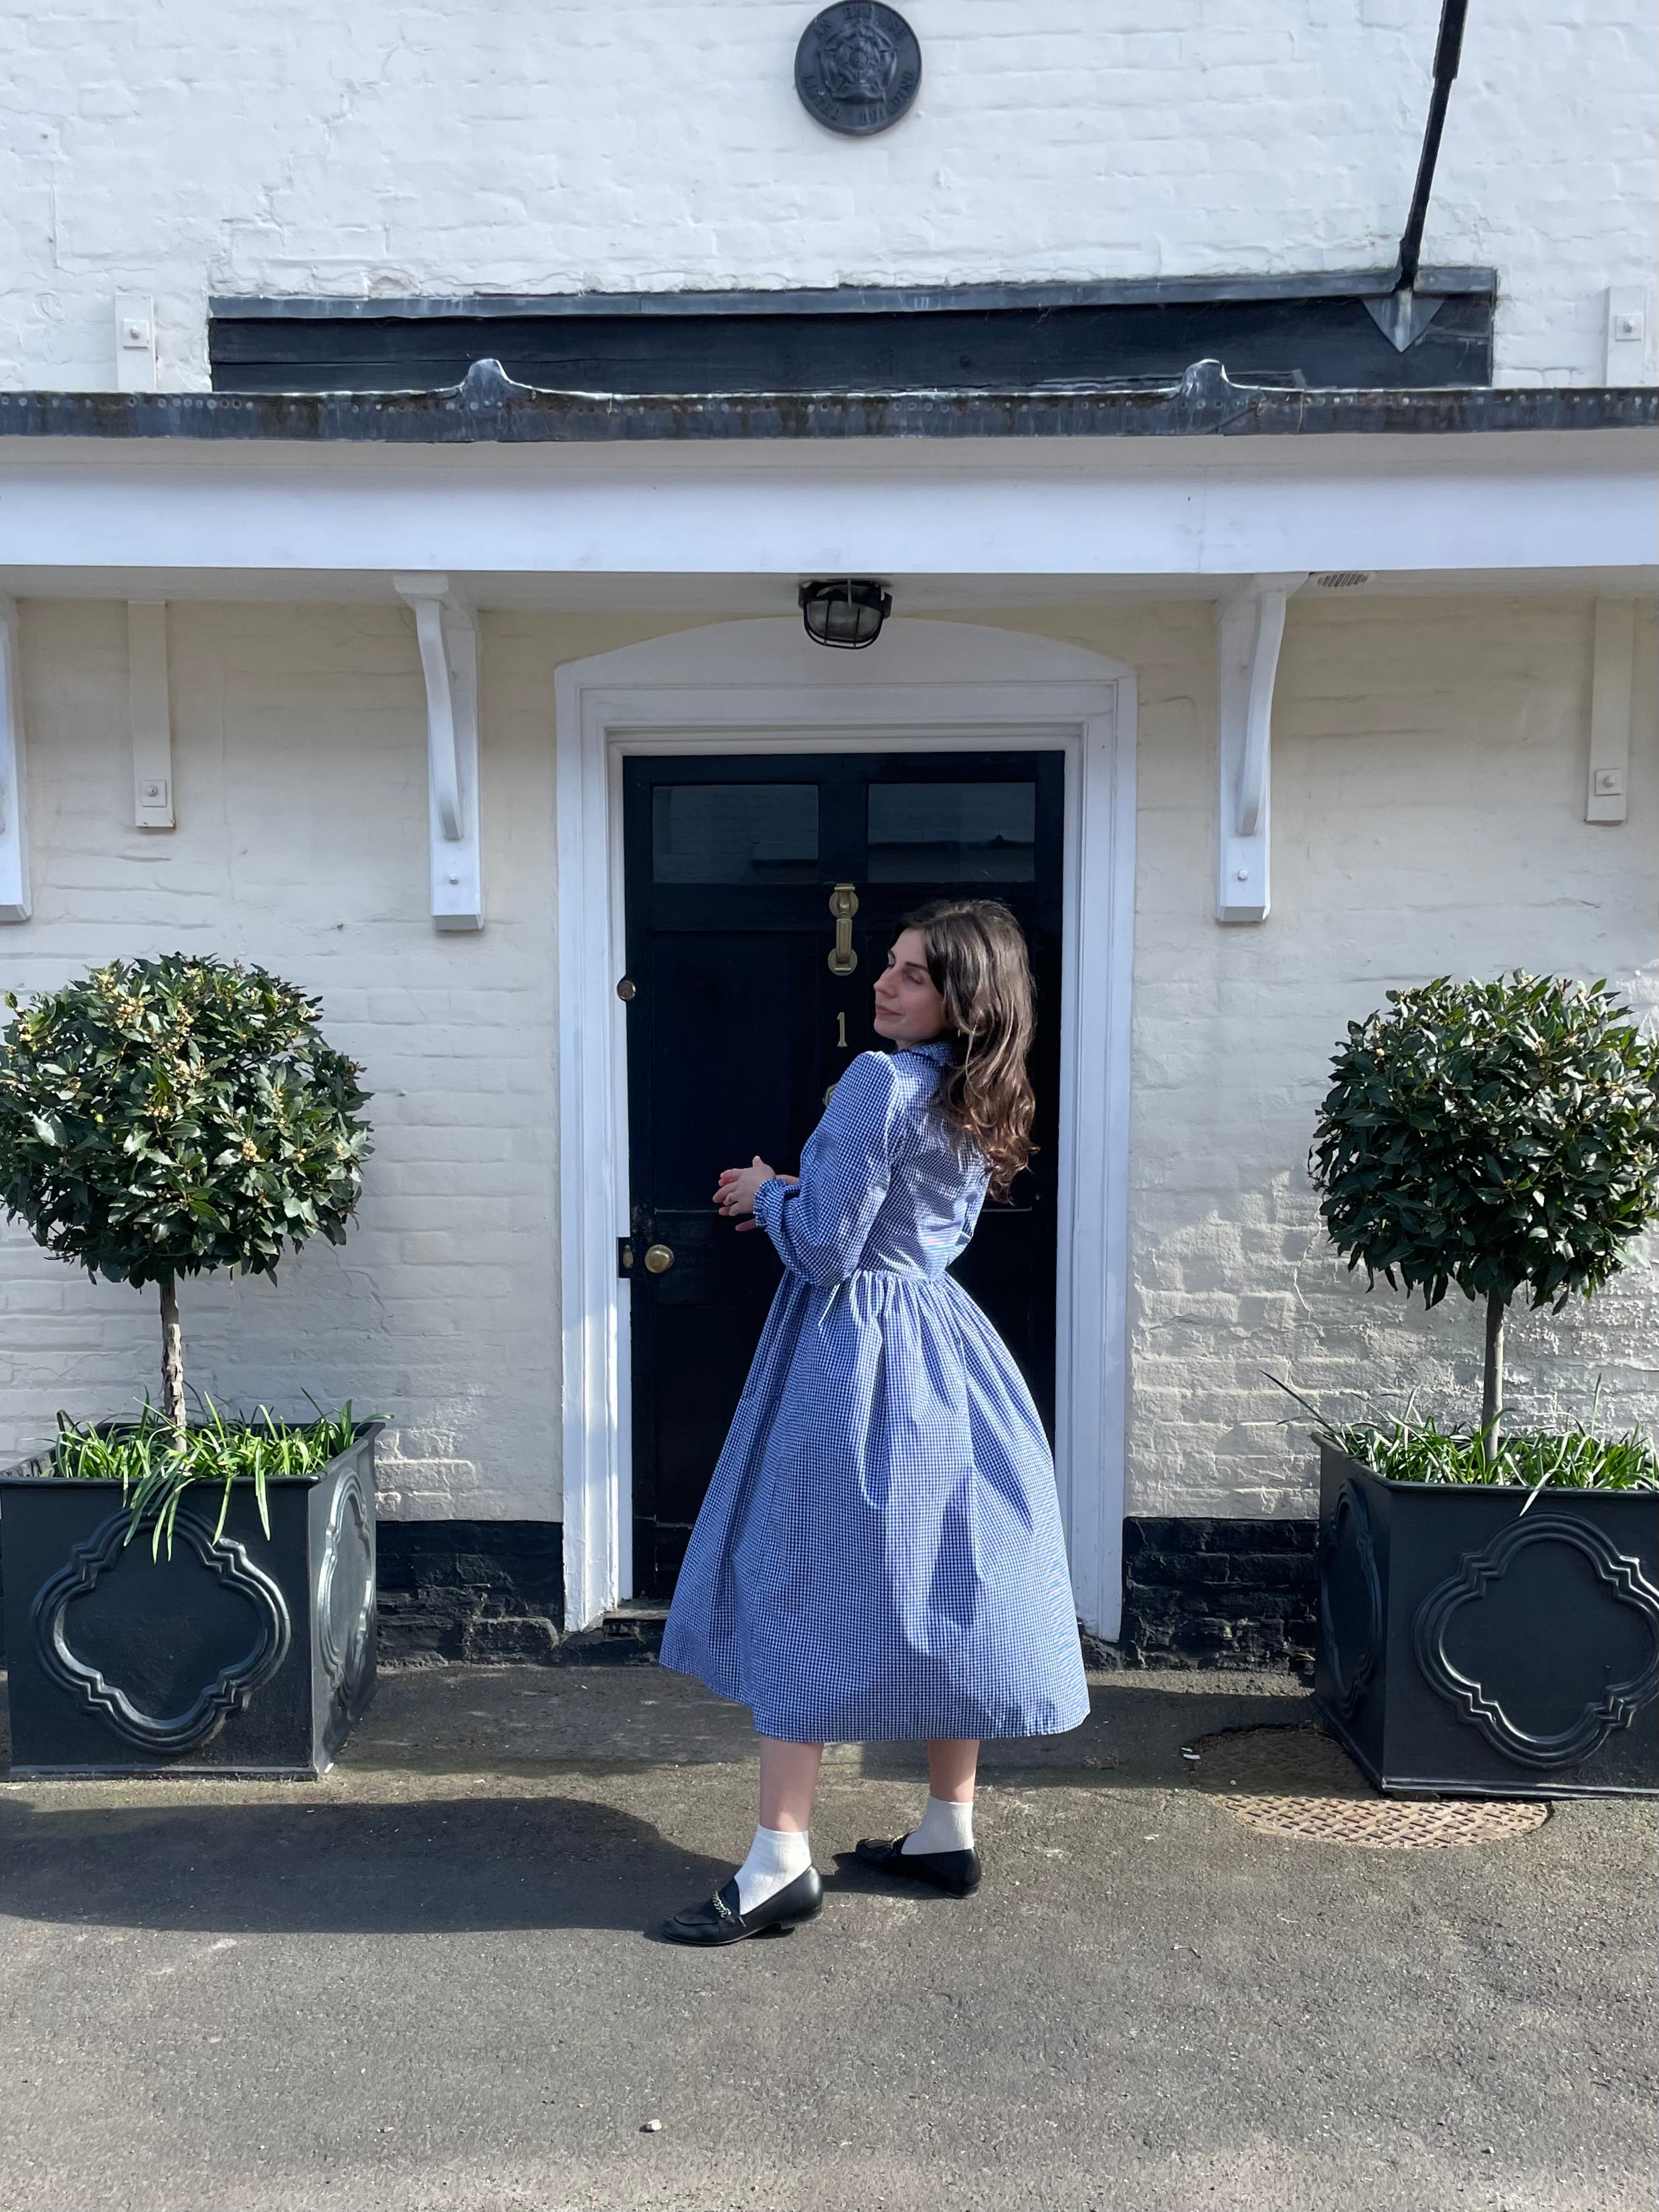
{"points": [[171, 149], [300, 783], [1428, 794], [1428, 777]]}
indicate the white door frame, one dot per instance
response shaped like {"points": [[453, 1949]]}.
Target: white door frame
{"points": [[763, 686]]}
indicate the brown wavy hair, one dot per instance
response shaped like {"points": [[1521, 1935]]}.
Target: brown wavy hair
{"points": [[977, 958]]}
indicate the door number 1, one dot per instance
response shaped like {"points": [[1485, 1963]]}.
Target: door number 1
{"points": [[841, 1030]]}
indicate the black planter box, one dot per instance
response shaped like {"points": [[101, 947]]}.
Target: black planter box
{"points": [[1465, 1647], [242, 1656]]}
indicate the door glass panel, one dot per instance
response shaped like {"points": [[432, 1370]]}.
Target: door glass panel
{"points": [[734, 833], [952, 833]]}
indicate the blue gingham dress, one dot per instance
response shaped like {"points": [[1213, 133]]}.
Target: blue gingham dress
{"points": [[879, 1554]]}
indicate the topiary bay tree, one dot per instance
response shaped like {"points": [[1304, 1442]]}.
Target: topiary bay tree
{"points": [[1503, 1137], [167, 1117]]}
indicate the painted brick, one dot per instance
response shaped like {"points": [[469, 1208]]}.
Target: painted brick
{"points": [[300, 732], [175, 151], [472, 1590], [1428, 773]]}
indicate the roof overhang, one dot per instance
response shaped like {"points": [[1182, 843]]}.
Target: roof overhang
{"points": [[489, 408], [1202, 480]]}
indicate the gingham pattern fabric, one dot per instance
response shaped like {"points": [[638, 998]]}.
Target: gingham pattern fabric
{"points": [[879, 1555]]}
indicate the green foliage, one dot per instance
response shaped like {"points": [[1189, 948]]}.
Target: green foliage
{"points": [[155, 1463], [1500, 1136], [167, 1117], [1410, 1449], [1421, 1451]]}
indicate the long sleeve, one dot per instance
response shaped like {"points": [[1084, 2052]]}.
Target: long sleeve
{"points": [[820, 1225]]}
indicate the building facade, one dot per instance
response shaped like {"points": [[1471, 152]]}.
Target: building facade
{"points": [[415, 433]]}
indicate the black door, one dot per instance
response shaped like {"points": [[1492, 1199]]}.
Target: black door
{"points": [[744, 1011]]}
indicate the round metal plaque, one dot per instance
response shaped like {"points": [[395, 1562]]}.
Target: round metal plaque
{"points": [[858, 67]]}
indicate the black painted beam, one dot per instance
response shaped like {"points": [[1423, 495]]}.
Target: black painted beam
{"points": [[1317, 339]]}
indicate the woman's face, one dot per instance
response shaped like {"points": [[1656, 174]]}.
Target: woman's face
{"points": [[908, 1010]]}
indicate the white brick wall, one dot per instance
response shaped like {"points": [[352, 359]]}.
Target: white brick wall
{"points": [[299, 770], [1428, 789], [174, 150]]}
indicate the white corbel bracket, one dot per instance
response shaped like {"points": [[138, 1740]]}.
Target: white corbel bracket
{"points": [[449, 663], [13, 818], [1250, 629]]}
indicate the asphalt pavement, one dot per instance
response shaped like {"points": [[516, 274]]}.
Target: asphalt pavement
{"points": [[432, 1980]]}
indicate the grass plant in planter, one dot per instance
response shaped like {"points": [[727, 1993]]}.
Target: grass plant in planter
{"points": [[1489, 1601], [191, 1597]]}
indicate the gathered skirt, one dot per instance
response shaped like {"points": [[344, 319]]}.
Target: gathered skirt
{"points": [[879, 1555]]}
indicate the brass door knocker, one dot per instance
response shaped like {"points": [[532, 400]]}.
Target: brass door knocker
{"points": [[843, 904]]}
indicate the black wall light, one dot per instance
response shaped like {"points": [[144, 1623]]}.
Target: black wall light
{"points": [[848, 612]]}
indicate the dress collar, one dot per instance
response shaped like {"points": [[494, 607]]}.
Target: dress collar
{"points": [[938, 1050]]}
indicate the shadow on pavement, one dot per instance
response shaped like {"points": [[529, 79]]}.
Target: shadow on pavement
{"points": [[544, 1721], [436, 1866], [1132, 1739]]}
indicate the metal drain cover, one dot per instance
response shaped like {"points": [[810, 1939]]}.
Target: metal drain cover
{"points": [[1298, 1781]]}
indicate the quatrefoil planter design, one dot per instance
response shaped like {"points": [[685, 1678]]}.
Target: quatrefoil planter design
{"points": [[345, 1601], [1468, 1647], [1612, 1704], [243, 1655], [270, 1629], [1351, 1552]]}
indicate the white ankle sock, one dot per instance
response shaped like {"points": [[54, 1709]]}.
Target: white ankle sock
{"points": [[776, 1857], [944, 1826]]}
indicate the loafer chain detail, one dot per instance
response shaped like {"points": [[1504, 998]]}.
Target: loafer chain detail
{"points": [[720, 1919]]}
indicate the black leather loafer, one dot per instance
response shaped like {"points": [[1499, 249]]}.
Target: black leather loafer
{"points": [[719, 1920], [957, 1873]]}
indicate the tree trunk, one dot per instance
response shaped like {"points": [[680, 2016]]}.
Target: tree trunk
{"points": [[1492, 1395], [172, 1355]]}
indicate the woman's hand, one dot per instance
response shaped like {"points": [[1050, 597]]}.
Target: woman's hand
{"points": [[734, 1196]]}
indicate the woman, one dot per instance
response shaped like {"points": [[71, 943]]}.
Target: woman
{"points": [[879, 1554]]}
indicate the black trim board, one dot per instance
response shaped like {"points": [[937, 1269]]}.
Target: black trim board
{"points": [[488, 408], [859, 342]]}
